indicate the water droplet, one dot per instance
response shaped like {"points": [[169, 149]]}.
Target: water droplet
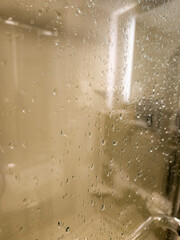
{"points": [[25, 202], [35, 178], [65, 135], [54, 92], [11, 146], [103, 142], [39, 12], [138, 116], [78, 12], [92, 166], [38, 209], [11, 165], [103, 207], [58, 15], [115, 142], [24, 145], [59, 224], [120, 116], [111, 162]]}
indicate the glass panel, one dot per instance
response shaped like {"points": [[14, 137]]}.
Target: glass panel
{"points": [[89, 124]]}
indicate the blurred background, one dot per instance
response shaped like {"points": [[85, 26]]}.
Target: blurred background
{"points": [[89, 118]]}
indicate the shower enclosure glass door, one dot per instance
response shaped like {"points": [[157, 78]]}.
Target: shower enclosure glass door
{"points": [[89, 119]]}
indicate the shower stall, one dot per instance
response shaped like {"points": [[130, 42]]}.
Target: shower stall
{"points": [[89, 119]]}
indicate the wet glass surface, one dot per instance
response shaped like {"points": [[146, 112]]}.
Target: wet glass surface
{"points": [[89, 124]]}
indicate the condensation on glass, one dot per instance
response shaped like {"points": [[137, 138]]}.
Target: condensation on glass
{"points": [[89, 119]]}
